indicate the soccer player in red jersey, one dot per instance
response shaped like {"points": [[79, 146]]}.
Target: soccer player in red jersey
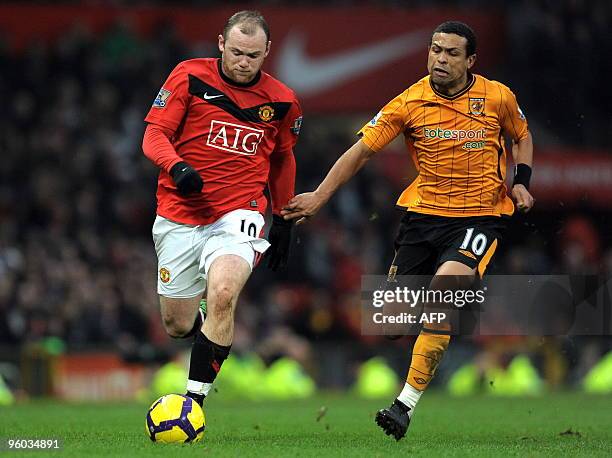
{"points": [[220, 130]]}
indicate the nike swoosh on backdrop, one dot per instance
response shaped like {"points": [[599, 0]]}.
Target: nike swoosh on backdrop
{"points": [[311, 75]]}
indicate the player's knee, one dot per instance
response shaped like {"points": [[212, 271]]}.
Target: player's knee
{"points": [[175, 327], [221, 298]]}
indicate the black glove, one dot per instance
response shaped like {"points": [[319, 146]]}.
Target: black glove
{"points": [[280, 241], [186, 179]]}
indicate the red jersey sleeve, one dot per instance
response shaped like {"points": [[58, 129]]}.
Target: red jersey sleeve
{"points": [[281, 180], [171, 103], [157, 147]]}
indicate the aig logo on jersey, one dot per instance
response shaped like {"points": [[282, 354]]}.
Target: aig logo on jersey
{"points": [[234, 138]]}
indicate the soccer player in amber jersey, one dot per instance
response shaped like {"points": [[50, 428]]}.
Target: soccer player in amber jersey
{"points": [[454, 123], [220, 130]]}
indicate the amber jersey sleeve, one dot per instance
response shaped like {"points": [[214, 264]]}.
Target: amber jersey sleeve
{"points": [[513, 121], [456, 144], [387, 124]]}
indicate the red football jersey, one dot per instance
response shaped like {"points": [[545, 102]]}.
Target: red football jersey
{"points": [[230, 133]]}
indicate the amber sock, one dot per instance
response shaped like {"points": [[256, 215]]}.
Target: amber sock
{"points": [[426, 355]]}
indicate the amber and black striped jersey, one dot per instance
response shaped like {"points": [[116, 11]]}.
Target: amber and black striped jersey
{"points": [[456, 143]]}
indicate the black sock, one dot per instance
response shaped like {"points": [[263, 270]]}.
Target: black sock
{"points": [[206, 360]]}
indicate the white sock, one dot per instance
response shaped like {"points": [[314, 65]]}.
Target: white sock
{"points": [[409, 397], [194, 386]]}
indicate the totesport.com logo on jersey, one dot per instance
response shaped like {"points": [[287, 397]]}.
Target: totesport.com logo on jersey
{"points": [[476, 137]]}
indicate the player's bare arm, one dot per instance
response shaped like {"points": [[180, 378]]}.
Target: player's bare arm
{"points": [[522, 152], [308, 204]]}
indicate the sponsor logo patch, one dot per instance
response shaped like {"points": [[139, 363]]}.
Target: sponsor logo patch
{"points": [[164, 275], [476, 106], [266, 113], [162, 96], [297, 125], [392, 273], [374, 120], [234, 138], [419, 380]]}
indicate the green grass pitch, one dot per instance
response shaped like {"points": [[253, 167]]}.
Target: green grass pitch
{"points": [[563, 424]]}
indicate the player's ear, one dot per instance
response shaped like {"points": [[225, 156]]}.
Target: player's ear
{"points": [[267, 48], [221, 43], [471, 61]]}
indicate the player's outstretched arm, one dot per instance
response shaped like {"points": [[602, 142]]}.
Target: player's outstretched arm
{"points": [[522, 152], [308, 204]]}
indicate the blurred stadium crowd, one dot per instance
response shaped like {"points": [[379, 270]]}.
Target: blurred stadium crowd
{"points": [[77, 195]]}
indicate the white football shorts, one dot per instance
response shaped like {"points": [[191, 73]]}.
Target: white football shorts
{"points": [[186, 252]]}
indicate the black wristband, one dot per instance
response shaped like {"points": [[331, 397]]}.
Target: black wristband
{"points": [[522, 175]]}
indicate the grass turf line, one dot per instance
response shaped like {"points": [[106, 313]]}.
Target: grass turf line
{"points": [[563, 424]]}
